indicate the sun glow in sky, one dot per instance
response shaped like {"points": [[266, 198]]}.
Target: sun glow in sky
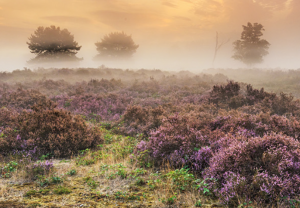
{"points": [[166, 30]]}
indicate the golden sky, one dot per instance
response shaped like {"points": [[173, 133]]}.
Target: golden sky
{"points": [[179, 28]]}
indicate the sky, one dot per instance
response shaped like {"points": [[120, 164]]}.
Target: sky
{"points": [[172, 35]]}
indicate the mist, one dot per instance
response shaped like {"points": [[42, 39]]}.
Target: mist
{"points": [[172, 35]]}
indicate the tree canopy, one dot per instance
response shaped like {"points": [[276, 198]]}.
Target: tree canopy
{"points": [[53, 43], [251, 48], [116, 45]]}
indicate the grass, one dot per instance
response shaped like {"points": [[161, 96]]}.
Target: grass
{"points": [[102, 178]]}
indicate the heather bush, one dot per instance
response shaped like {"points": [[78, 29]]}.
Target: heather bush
{"points": [[140, 120], [233, 96], [39, 168], [51, 87], [46, 129], [7, 117], [104, 85], [21, 99], [253, 95], [92, 106], [259, 124], [178, 142], [263, 169], [283, 104], [223, 93], [145, 87], [272, 80], [57, 131]]}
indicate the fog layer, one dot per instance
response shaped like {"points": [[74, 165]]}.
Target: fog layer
{"points": [[172, 34]]}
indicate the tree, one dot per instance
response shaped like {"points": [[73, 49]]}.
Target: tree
{"points": [[217, 47], [116, 45], [251, 49], [52, 43]]}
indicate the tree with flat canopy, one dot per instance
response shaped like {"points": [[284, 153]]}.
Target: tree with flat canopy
{"points": [[53, 44], [251, 49], [116, 45]]}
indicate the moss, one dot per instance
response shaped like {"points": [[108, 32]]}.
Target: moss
{"points": [[30, 193], [62, 190]]}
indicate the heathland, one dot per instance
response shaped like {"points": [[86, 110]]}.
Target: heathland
{"points": [[102, 137]]}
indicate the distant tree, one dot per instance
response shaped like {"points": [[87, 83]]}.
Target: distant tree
{"points": [[52, 43], [116, 45], [251, 49], [217, 47]]}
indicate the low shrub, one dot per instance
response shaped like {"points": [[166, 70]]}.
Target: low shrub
{"points": [[49, 130], [21, 99], [72, 172], [257, 125], [56, 179], [180, 179], [223, 93], [264, 169], [95, 107], [39, 168], [178, 142], [233, 96], [7, 170], [138, 119]]}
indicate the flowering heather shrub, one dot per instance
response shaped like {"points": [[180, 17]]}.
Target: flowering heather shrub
{"points": [[253, 95], [21, 99], [94, 86], [5, 75], [7, 116], [145, 87], [178, 142], [223, 93], [99, 107], [49, 130], [152, 102], [9, 138], [52, 84], [264, 169], [283, 104], [137, 119], [49, 87], [230, 96], [104, 85], [223, 140], [39, 168], [25, 149], [259, 125]]}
